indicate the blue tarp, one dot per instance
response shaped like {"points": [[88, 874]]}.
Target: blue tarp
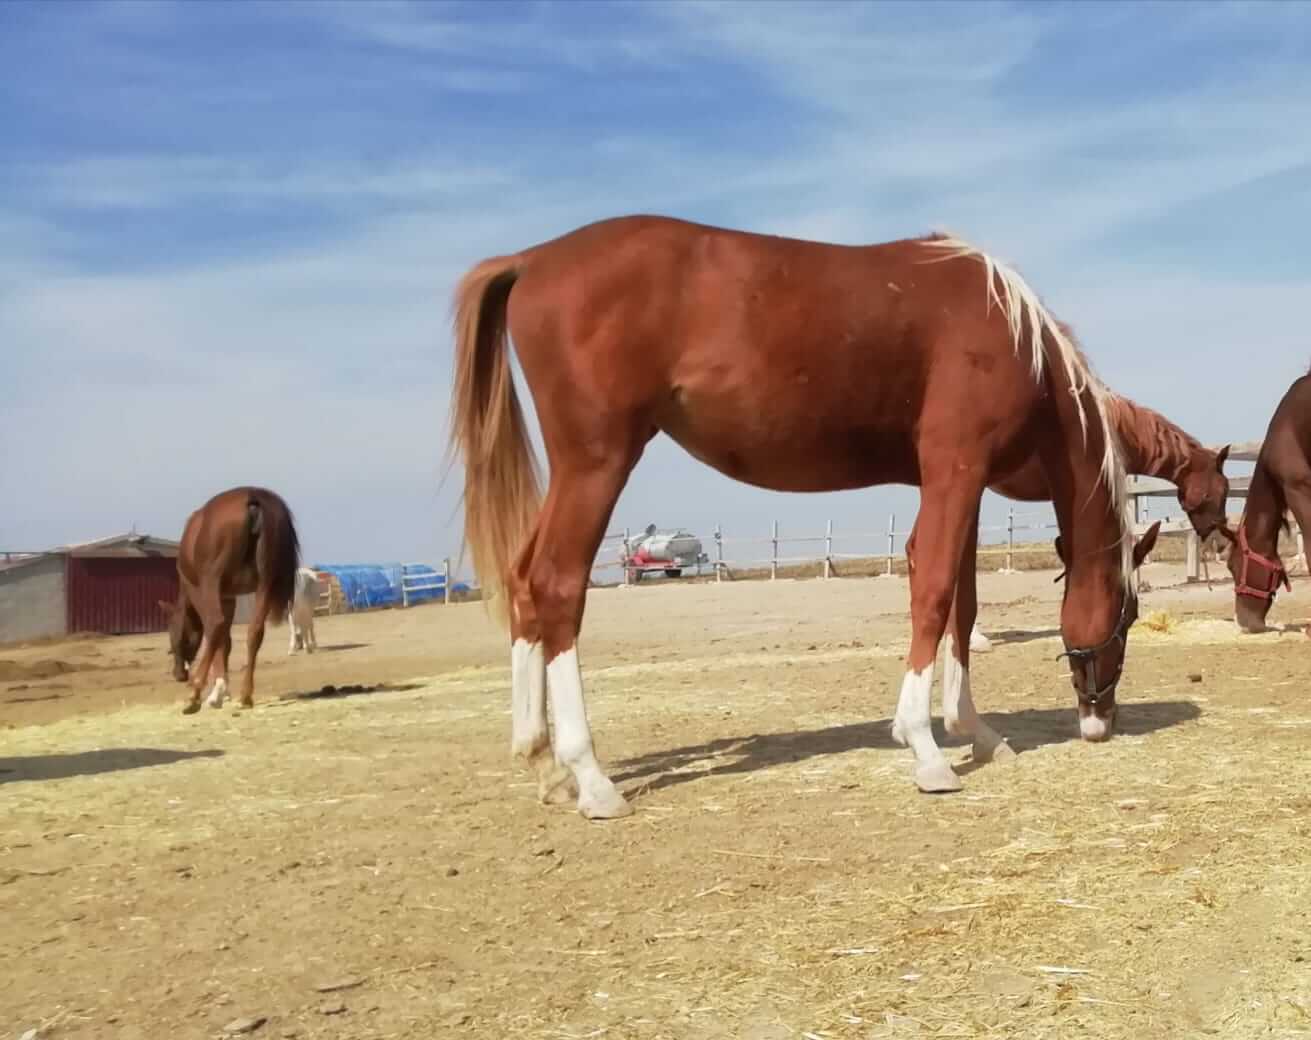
{"points": [[367, 585]]}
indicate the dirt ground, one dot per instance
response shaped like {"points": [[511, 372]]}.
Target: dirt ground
{"points": [[367, 862]]}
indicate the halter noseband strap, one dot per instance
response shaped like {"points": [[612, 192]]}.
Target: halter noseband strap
{"points": [[1275, 573], [1089, 656]]}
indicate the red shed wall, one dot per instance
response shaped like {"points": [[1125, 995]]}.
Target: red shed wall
{"points": [[120, 595]]}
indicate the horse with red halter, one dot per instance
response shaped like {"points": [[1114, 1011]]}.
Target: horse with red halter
{"points": [[241, 541], [786, 364], [1281, 483], [1153, 446]]}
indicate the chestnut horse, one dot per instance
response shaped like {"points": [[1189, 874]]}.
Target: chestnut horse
{"points": [[1154, 447], [241, 541], [1281, 483], [786, 364]]}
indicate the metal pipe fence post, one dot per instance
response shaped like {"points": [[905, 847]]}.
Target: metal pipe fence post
{"points": [[1193, 556], [828, 548], [405, 594], [773, 559], [892, 530], [719, 553], [446, 580], [628, 551], [1010, 540]]}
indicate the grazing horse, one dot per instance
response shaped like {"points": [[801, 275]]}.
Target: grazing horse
{"points": [[302, 612], [1281, 483], [786, 364], [241, 541], [1153, 446]]}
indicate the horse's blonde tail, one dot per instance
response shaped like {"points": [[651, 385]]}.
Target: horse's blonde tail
{"points": [[502, 488]]}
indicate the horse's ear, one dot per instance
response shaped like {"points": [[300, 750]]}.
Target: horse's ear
{"points": [[1145, 545], [1220, 457]]}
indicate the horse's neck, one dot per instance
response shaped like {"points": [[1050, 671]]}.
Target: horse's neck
{"points": [[1153, 445], [1264, 512]]}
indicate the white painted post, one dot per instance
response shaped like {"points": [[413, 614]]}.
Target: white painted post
{"points": [[719, 554], [1193, 556], [405, 595], [773, 559], [628, 551], [828, 548], [446, 580], [892, 530]]}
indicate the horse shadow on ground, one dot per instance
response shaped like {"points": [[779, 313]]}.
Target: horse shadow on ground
{"points": [[91, 763], [340, 648], [331, 692], [1025, 730], [35, 698], [1020, 635]]}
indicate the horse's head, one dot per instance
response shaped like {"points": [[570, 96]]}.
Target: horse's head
{"points": [[1256, 581], [1095, 669], [183, 637], [1204, 489]]}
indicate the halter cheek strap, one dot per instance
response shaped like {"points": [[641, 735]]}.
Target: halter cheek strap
{"points": [[1275, 574], [1088, 655]]}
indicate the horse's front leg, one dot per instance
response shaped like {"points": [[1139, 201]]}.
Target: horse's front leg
{"points": [[948, 505], [958, 712]]}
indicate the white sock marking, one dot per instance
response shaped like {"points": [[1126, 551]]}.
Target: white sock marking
{"points": [[218, 693], [912, 725], [573, 738], [1093, 728], [528, 698]]}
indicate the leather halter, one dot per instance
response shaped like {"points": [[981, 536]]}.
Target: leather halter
{"points": [[1088, 655], [1275, 575]]}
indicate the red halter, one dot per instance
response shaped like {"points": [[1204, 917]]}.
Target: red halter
{"points": [[1274, 576]]}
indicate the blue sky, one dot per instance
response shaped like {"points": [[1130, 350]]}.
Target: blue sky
{"points": [[248, 218]]}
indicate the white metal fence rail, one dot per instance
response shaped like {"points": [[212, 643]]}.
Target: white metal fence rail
{"points": [[734, 553], [412, 583]]}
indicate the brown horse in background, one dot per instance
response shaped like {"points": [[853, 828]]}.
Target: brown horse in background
{"points": [[790, 365], [241, 541], [1281, 483], [1154, 447]]}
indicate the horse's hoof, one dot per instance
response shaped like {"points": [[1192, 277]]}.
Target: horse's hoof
{"points": [[191, 707], [605, 805], [559, 788], [999, 752], [937, 778]]}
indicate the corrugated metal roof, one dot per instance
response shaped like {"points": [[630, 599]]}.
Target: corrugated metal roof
{"points": [[128, 544]]}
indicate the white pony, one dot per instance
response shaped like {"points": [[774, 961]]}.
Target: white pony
{"points": [[302, 611]]}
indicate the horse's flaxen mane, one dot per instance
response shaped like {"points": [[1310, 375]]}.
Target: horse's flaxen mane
{"points": [[1017, 300], [1155, 439]]}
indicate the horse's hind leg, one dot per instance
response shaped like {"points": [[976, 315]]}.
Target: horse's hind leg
{"points": [[254, 640], [958, 712], [530, 737], [577, 508], [209, 608], [223, 652], [949, 504]]}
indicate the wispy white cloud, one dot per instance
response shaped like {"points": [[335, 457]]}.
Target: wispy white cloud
{"points": [[155, 382], [166, 180]]}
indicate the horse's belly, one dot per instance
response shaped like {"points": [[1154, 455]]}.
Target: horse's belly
{"points": [[786, 451]]}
